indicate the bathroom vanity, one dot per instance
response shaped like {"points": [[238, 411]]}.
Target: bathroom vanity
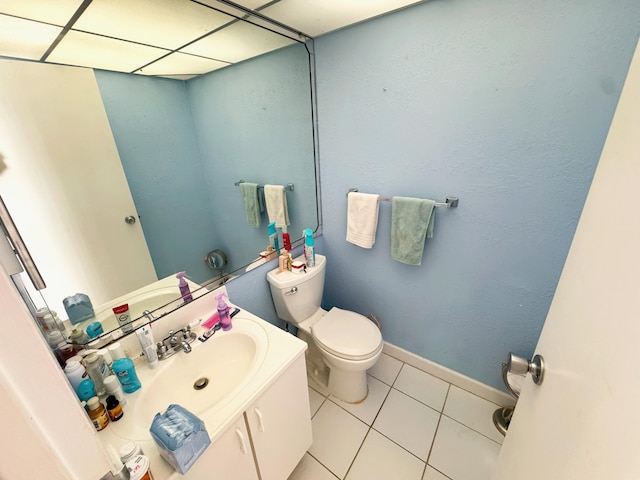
{"points": [[255, 404]]}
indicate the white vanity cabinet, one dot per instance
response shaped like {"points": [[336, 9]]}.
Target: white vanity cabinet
{"points": [[271, 436], [230, 457], [280, 423]]}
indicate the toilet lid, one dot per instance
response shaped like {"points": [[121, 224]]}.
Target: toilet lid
{"points": [[347, 334]]}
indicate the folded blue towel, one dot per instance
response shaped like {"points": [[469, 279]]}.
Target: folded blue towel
{"points": [[252, 203], [411, 222]]}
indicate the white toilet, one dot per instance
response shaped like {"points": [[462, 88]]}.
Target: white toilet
{"points": [[342, 344]]}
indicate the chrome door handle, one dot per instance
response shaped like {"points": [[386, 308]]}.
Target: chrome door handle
{"points": [[293, 291], [130, 220], [522, 366]]}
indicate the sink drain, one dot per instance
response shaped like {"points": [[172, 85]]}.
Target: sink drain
{"points": [[201, 383]]}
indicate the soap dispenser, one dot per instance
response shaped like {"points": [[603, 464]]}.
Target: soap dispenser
{"points": [[185, 292], [223, 312]]}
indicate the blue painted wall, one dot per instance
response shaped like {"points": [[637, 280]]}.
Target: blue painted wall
{"points": [[153, 128], [504, 103]]}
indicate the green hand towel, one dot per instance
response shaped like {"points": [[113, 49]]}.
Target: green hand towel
{"points": [[252, 202], [411, 222]]}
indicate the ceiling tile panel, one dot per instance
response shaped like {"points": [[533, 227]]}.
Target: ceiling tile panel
{"points": [[238, 42], [57, 12], [316, 17], [167, 23], [181, 64], [87, 50], [25, 39]]}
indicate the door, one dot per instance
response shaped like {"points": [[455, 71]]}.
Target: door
{"points": [[65, 186], [583, 421]]}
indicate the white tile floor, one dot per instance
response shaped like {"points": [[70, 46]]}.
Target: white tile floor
{"points": [[412, 426]]}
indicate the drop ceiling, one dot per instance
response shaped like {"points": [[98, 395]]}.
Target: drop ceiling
{"points": [[169, 38]]}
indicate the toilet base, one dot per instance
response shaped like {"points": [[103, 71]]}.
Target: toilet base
{"points": [[350, 387]]}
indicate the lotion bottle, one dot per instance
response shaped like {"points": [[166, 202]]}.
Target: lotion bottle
{"points": [[223, 312], [185, 292]]}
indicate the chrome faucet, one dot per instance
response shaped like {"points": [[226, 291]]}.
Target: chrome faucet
{"points": [[149, 315], [176, 341]]}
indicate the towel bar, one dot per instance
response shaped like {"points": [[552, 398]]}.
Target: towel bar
{"points": [[288, 186], [450, 202]]}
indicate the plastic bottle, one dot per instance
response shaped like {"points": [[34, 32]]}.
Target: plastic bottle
{"points": [[98, 371], [114, 409], [114, 388], [185, 292], [309, 251], [138, 468], [97, 413], [125, 371], [76, 373], [86, 390], [273, 237], [223, 312], [130, 450], [286, 239]]}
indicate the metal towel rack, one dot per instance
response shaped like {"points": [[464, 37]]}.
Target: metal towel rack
{"points": [[450, 202], [288, 186]]}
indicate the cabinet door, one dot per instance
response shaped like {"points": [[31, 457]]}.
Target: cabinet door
{"points": [[229, 457], [280, 423]]}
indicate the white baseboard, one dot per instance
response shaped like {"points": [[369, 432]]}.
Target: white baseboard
{"points": [[459, 380]]}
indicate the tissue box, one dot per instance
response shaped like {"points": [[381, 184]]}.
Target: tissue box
{"points": [[181, 437], [78, 308]]}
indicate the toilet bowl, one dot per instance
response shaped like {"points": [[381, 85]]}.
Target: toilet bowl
{"points": [[347, 342]]}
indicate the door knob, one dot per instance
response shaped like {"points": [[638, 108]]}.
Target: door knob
{"points": [[130, 219], [522, 366]]}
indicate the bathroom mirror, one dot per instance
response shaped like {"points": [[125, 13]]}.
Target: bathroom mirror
{"points": [[184, 145]]}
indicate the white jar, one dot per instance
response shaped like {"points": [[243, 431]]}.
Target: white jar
{"points": [[130, 450], [75, 372]]}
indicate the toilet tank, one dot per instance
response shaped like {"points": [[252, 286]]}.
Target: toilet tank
{"points": [[297, 296]]}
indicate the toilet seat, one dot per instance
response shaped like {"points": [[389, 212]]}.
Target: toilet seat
{"points": [[347, 335]]}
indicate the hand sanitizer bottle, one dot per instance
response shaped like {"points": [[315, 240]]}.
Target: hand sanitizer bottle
{"points": [[185, 292], [223, 312]]}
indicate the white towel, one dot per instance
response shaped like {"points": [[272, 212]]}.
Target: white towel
{"points": [[275, 199], [362, 218]]}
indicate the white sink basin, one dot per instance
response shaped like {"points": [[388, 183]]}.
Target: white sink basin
{"points": [[225, 362]]}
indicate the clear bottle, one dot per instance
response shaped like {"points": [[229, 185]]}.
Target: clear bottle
{"points": [[97, 413], [98, 371]]}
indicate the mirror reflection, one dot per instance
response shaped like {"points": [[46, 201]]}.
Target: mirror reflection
{"points": [[181, 147]]}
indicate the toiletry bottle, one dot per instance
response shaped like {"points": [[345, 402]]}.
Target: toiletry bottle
{"points": [[309, 251], [148, 345], [273, 237], [223, 312], [130, 450], [286, 239], [86, 390], [123, 317], [76, 373], [114, 388], [98, 371], [97, 413], [114, 409], [124, 369], [185, 292]]}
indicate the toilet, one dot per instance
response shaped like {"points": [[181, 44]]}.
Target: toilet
{"points": [[342, 344]]}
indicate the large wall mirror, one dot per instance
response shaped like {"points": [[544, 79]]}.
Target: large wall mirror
{"points": [[181, 147]]}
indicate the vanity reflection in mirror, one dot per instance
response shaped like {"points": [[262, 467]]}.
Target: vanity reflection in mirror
{"points": [[119, 180]]}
